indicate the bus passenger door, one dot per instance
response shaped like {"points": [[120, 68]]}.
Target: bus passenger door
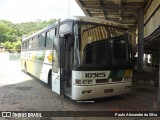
{"points": [[66, 63], [55, 81]]}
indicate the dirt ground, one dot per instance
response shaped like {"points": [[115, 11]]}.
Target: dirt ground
{"points": [[22, 92]]}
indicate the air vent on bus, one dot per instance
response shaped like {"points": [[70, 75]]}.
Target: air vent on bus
{"points": [[116, 79], [101, 80]]}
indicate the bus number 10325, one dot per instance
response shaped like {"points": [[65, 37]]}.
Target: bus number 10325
{"points": [[95, 75]]}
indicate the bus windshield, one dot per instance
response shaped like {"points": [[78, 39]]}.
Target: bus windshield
{"points": [[101, 46]]}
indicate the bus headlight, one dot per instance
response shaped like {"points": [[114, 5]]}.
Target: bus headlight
{"points": [[90, 81], [78, 81], [85, 82], [127, 79]]}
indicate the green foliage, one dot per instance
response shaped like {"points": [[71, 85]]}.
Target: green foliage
{"points": [[12, 46], [8, 45], [29, 28], [7, 33], [11, 34]]}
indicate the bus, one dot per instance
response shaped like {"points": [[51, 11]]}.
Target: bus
{"points": [[80, 57]]}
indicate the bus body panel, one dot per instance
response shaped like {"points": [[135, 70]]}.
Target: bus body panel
{"points": [[99, 91], [38, 63], [56, 82], [102, 83]]}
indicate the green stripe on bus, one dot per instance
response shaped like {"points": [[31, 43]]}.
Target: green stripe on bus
{"points": [[117, 74], [120, 74], [113, 74]]}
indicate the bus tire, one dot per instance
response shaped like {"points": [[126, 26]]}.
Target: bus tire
{"points": [[50, 79]]}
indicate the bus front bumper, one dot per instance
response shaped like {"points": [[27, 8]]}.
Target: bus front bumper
{"points": [[99, 91]]}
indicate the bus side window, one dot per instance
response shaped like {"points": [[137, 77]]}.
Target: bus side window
{"points": [[34, 43], [55, 32], [30, 43], [50, 36], [41, 40], [47, 39], [27, 45], [23, 45]]}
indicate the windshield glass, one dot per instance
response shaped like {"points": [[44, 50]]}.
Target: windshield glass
{"points": [[101, 46]]}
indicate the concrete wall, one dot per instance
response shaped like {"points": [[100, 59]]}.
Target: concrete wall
{"points": [[151, 17]]}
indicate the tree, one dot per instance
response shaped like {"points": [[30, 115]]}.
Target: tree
{"points": [[29, 28], [7, 33], [11, 34]]}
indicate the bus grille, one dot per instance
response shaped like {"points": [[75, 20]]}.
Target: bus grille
{"points": [[116, 79], [101, 80]]}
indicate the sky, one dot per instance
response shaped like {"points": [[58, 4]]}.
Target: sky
{"points": [[18, 11]]}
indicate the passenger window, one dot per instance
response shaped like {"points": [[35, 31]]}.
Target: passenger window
{"points": [[30, 43], [34, 43], [41, 40], [50, 36]]}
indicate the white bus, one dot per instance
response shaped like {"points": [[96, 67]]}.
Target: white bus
{"points": [[80, 57]]}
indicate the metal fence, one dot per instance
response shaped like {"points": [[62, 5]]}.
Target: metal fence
{"points": [[9, 56]]}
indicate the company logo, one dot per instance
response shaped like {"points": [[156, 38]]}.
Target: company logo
{"points": [[6, 114], [95, 75], [50, 57]]}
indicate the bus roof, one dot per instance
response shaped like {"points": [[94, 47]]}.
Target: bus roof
{"points": [[79, 18], [94, 20]]}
